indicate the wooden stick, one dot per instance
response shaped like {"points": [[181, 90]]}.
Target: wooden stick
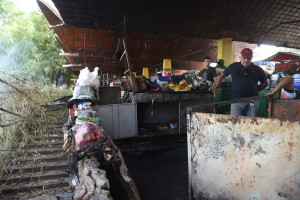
{"points": [[12, 113], [3, 81]]}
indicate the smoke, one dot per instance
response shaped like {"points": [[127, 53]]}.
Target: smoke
{"points": [[7, 60], [8, 65]]}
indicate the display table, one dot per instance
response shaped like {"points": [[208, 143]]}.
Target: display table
{"points": [[125, 120]]}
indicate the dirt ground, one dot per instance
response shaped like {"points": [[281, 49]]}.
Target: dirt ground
{"points": [[159, 167]]}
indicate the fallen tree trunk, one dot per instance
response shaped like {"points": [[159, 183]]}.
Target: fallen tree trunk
{"points": [[93, 183]]}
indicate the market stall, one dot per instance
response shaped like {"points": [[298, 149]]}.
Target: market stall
{"points": [[140, 104]]}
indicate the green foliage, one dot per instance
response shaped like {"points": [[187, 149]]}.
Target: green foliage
{"points": [[8, 11], [26, 118], [29, 64], [29, 48]]}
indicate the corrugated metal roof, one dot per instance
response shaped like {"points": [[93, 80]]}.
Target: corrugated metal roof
{"points": [[284, 56], [184, 30]]}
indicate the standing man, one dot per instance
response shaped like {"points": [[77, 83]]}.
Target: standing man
{"points": [[209, 73], [245, 76], [61, 80]]}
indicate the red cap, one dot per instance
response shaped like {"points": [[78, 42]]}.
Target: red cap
{"points": [[247, 53]]}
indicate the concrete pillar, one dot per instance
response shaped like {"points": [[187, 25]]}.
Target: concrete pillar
{"points": [[225, 50], [146, 72], [167, 66]]}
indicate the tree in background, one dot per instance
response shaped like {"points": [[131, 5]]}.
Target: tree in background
{"points": [[29, 63], [28, 47], [7, 11]]}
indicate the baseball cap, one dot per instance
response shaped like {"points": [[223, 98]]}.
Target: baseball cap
{"points": [[247, 53]]}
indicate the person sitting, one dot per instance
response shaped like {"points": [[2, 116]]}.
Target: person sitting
{"points": [[286, 85]]}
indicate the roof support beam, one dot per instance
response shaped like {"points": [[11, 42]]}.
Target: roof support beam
{"points": [[71, 65], [69, 54]]}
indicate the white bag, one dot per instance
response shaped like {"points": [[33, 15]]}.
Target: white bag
{"points": [[87, 78]]}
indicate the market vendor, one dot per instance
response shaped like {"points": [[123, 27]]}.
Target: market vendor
{"points": [[209, 73], [245, 76]]}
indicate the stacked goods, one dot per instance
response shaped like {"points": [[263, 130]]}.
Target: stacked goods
{"points": [[183, 85], [141, 83], [167, 82]]}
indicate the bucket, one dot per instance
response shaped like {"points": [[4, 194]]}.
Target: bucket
{"points": [[296, 81]]}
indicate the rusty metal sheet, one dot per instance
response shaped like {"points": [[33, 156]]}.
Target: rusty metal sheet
{"points": [[235, 157], [285, 109]]}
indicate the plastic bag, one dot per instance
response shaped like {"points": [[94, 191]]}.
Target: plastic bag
{"points": [[87, 78], [87, 87], [86, 92], [90, 133]]}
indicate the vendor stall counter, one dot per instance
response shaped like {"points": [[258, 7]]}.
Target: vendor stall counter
{"points": [[124, 120], [158, 107]]}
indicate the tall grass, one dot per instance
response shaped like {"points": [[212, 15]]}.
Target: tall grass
{"points": [[22, 117]]}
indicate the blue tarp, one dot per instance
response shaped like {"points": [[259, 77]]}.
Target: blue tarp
{"points": [[261, 62]]}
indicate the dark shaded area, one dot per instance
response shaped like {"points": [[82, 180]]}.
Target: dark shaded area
{"points": [[117, 191], [159, 167]]}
